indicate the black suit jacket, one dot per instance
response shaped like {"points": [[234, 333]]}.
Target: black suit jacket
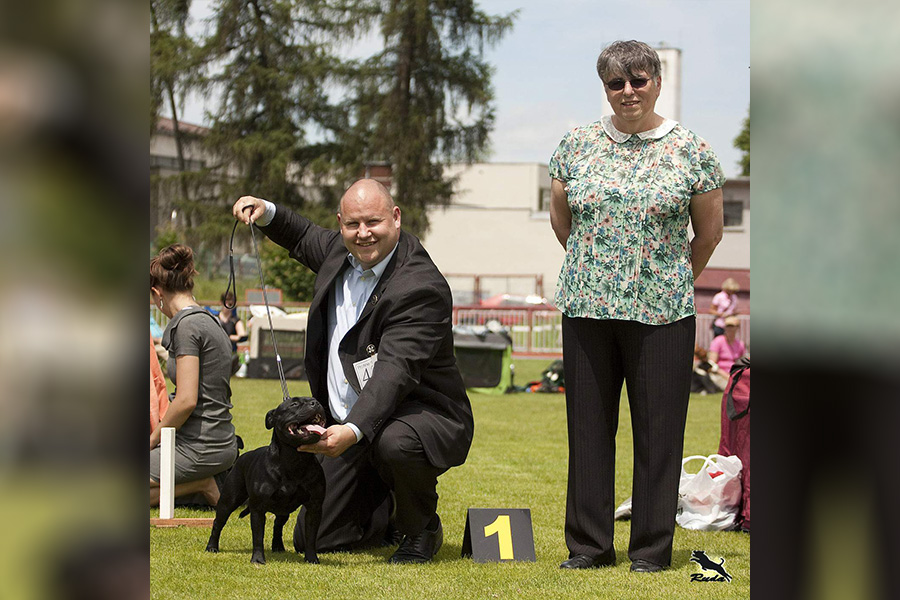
{"points": [[407, 321]]}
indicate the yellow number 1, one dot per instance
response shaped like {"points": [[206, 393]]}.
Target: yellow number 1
{"points": [[500, 526]]}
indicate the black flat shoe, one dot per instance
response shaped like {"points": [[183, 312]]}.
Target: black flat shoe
{"points": [[645, 566], [583, 561], [421, 548]]}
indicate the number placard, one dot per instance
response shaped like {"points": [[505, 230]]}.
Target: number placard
{"points": [[498, 535]]}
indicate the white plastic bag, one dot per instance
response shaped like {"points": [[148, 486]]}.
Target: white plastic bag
{"points": [[709, 500], [623, 513]]}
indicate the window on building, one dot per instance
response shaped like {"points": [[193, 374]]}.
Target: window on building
{"points": [[544, 200], [734, 213]]}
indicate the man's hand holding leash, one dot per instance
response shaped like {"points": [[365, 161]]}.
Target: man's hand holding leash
{"points": [[241, 213]]}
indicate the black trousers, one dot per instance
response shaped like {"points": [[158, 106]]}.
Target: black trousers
{"points": [[655, 362], [372, 485]]}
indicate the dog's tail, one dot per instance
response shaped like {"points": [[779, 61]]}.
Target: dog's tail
{"points": [[244, 513], [721, 569]]}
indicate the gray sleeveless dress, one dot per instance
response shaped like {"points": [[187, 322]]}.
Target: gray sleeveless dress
{"points": [[205, 444]]}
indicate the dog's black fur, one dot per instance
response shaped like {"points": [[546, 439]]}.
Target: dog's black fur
{"points": [[277, 479], [707, 564]]}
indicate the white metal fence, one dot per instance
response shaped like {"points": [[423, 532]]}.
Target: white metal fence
{"points": [[539, 331], [533, 331], [242, 311]]}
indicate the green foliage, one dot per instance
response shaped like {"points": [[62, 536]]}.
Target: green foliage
{"points": [[281, 271], [742, 143], [508, 466], [165, 239], [426, 99], [170, 51], [175, 67], [275, 63], [297, 121]]}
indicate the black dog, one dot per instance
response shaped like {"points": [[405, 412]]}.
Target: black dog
{"points": [[278, 479], [707, 564]]}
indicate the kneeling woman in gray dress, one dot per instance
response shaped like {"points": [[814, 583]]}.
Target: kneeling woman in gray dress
{"points": [[200, 365]]}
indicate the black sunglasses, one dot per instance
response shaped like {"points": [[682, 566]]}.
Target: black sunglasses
{"points": [[619, 84]]}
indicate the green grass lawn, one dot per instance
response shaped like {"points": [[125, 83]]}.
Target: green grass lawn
{"points": [[517, 460]]}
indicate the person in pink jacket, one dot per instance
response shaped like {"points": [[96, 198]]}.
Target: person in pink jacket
{"points": [[726, 348], [724, 304]]}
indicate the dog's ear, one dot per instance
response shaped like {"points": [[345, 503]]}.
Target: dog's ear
{"points": [[270, 419]]}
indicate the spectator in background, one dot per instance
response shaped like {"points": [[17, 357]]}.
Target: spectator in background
{"points": [[230, 321], [724, 304], [156, 337], [199, 364], [726, 348], [622, 192], [233, 326], [702, 378]]}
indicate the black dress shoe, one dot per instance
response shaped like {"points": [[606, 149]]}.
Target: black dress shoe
{"points": [[645, 566], [583, 561], [420, 548]]}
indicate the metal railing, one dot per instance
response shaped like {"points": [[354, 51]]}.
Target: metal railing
{"points": [[243, 312], [534, 331], [538, 331], [705, 334]]}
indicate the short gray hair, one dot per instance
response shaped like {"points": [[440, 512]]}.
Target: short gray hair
{"points": [[627, 58]]}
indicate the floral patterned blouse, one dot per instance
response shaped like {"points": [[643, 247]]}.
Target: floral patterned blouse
{"points": [[628, 256]]}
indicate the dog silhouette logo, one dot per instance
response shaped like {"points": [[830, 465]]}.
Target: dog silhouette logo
{"points": [[709, 565]]}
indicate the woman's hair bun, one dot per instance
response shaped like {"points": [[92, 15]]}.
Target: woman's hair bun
{"points": [[173, 269]]}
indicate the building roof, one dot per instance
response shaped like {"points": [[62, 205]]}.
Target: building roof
{"points": [[167, 125], [711, 278]]}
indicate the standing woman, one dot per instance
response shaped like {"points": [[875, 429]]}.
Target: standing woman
{"points": [[200, 365], [623, 190], [724, 304], [233, 326]]}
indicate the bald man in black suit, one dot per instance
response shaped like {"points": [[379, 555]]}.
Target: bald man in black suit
{"points": [[379, 356]]}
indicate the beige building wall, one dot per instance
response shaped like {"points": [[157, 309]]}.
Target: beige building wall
{"points": [[495, 226], [733, 252]]}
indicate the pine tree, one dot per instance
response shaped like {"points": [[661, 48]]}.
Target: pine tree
{"points": [[742, 143], [275, 60], [271, 63], [426, 99], [173, 73]]}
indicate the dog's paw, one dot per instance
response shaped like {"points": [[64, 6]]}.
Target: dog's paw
{"points": [[258, 558], [277, 546], [312, 559], [211, 548]]}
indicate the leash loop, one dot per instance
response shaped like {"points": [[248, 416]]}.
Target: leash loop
{"points": [[262, 283]]}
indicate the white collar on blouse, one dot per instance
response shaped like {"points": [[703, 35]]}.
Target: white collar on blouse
{"points": [[653, 134]]}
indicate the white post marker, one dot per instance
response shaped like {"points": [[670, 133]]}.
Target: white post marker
{"points": [[167, 473]]}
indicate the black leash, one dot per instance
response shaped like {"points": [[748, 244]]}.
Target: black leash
{"points": [[262, 283]]}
